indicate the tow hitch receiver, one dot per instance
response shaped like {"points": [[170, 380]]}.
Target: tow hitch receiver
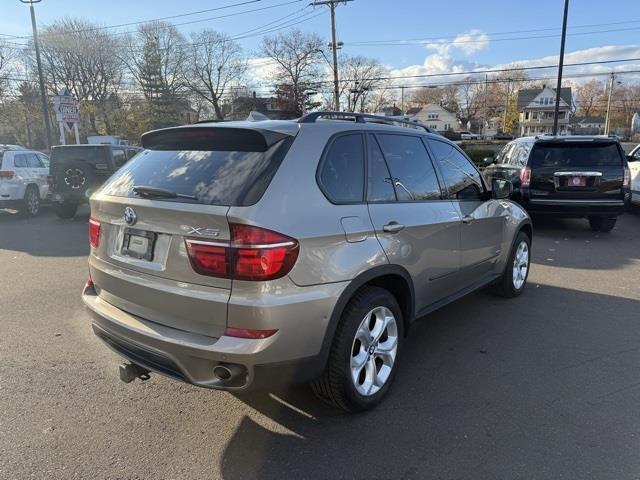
{"points": [[130, 371]]}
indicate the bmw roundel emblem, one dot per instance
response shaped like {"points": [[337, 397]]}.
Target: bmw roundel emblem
{"points": [[130, 216]]}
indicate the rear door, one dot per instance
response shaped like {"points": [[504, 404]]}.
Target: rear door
{"points": [[39, 173], [142, 264], [417, 228], [23, 174], [577, 170], [634, 168], [482, 225]]}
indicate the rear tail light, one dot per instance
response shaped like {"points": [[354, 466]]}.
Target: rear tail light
{"points": [[94, 232], [254, 253], [525, 177], [7, 174], [626, 182]]}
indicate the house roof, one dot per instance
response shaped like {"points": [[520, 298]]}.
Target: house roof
{"points": [[413, 110], [576, 120], [527, 95]]}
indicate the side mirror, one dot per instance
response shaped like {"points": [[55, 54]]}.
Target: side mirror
{"points": [[501, 188], [486, 161]]}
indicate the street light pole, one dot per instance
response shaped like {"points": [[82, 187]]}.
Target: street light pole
{"points": [[334, 47], [43, 94], [560, 65]]}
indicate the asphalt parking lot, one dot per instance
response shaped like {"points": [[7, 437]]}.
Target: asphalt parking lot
{"points": [[543, 386]]}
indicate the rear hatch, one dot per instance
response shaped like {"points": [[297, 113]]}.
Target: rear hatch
{"points": [[567, 169], [180, 188], [80, 169]]}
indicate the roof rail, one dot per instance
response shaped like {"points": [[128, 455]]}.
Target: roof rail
{"points": [[363, 118]]}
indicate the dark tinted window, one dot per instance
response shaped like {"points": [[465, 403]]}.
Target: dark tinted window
{"points": [[119, 158], [504, 154], [21, 160], [460, 176], [342, 171], [380, 188], [570, 155], [214, 177], [94, 155], [410, 166]]}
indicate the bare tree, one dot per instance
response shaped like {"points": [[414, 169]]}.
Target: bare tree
{"points": [[78, 55], [589, 97], [296, 56], [216, 63], [445, 96], [470, 94], [361, 77], [7, 54]]}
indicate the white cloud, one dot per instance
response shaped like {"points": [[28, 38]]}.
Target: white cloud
{"points": [[444, 62]]}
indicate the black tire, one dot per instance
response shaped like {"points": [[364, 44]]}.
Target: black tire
{"points": [[31, 203], [65, 210], [505, 286], [602, 224], [336, 386]]}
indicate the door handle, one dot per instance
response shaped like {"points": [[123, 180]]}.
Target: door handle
{"points": [[467, 219], [392, 227]]}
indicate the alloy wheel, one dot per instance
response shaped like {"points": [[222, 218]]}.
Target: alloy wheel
{"points": [[520, 265], [374, 351]]}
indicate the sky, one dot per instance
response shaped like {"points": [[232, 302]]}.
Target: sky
{"points": [[411, 37]]}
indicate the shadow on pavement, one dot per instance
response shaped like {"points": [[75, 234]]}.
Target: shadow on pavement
{"points": [[45, 235], [570, 243], [488, 388]]}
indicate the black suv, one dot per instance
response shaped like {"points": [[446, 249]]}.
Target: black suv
{"points": [[572, 176], [76, 171]]}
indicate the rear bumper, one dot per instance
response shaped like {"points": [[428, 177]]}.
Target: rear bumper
{"points": [[192, 357], [571, 207]]}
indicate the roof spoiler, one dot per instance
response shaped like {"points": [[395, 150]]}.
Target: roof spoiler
{"points": [[211, 138]]}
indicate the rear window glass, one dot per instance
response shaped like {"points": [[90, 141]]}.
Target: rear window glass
{"points": [[226, 177], [569, 155], [91, 155], [342, 171]]}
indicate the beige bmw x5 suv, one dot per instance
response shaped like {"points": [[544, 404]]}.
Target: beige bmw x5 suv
{"points": [[234, 255]]}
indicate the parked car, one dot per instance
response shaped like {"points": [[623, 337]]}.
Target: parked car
{"points": [[79, 170], [23, 179], [464, 135], [502, 136], [234, 255], [634, 169], [568, 176]]}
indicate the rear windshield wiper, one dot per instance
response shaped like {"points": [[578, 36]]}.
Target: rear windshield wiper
{"points": [[154, 192]]}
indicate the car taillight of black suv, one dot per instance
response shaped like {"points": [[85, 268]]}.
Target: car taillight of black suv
{"points": [[566, 176]]}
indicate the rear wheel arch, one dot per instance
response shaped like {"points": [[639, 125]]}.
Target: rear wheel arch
{"points": [[393, 278]]}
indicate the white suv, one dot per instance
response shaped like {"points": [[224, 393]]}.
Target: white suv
{"points": [[23, 179], [634, 168]]}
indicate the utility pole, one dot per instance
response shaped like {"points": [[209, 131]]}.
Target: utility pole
{"points": [[486, 94], [334, 46], [560, 65], [506, 107], [607, 120], [402, 99], [43, 94]]}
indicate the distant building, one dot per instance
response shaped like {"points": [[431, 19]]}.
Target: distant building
{"points": [[436, 117], [241, 106], [586, 125], [536, 107]]}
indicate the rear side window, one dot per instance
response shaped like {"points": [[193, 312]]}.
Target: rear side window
{"points": [[411, 169], [520, 155], [33, 161], [342, 170], [119, 158], [461, 177], [380, 186], [21, 160], [576, 155], [214, 177]]}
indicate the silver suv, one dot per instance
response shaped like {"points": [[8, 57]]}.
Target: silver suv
{"points": [[238, 254]]}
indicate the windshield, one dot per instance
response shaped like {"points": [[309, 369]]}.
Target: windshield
{"points": [[571, 155], [231, 178]]}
